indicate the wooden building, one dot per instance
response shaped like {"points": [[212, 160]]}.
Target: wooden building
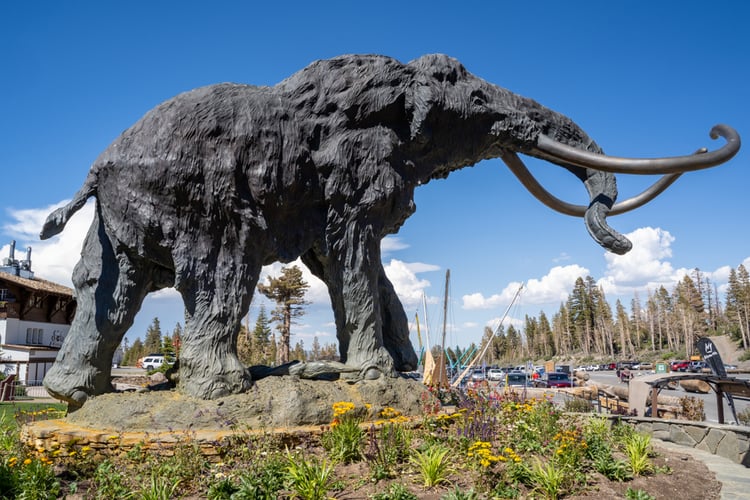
{"points": [[35, 316]]}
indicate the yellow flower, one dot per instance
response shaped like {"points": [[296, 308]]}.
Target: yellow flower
{"points": [[27, 461], [341, 408]]}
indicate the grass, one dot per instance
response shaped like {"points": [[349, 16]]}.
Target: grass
{"points": [[22, 412]]}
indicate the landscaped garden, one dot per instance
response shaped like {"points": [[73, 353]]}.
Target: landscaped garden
{"points": [[489, 446]]}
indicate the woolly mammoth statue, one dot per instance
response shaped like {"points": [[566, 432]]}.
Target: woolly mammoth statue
{"points": [[213, 184]]}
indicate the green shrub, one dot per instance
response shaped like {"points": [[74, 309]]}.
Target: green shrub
{"points": [[309, 479], [578, 405], [631, 494], [637, 449], [344, 441], [387, 447], [744, 416], [263, 482], [396, 491], [159, 488], [692, 408], [433, 465], [36, 480], [547, 479], [459, 494], [110, 483]]}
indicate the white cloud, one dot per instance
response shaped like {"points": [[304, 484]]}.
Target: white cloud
{"points": [[645, 264], [403, 276], [553, 287], [52, 259], [561, 258], [391, 244]]}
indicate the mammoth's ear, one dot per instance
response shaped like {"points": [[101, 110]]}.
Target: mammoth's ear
{"points": [[376, 103], [432, 73], [419, 102]]}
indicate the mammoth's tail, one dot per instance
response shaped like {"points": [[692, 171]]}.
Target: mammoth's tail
{"points": [[56, 221]]}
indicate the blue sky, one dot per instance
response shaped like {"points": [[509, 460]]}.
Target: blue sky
{"points": [[642, 78]]}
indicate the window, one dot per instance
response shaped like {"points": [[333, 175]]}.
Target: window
{"points": [[34, 336]]}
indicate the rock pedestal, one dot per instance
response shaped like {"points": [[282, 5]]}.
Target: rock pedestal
{"points": [[286, 405]]}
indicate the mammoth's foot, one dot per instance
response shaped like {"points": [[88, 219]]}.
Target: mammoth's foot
{"points": [[207, 377], [76, 386]]}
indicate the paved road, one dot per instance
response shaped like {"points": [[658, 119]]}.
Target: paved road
{"points": [[709, 400]]}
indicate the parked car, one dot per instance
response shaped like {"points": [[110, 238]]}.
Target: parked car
{"points": [[554, 380], [679, 366], [698, 366], [518, 379], [495, 374], [730, 367], [477, 376], [153, 362]]}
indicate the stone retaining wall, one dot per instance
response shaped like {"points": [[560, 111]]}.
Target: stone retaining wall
{"points": [[728, 441]]}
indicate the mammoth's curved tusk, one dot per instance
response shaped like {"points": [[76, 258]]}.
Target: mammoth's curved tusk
{"points": [[594, 215], [528, 180], [645, 196], [558, 152], [518, 168]]}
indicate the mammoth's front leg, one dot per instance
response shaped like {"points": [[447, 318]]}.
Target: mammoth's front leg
{"points": [[217, 298], [110, 288]]}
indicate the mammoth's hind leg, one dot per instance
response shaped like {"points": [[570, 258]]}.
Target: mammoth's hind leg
{"points": [[216, 299], [110, 288]]}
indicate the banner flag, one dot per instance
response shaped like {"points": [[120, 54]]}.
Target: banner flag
{"points": [[711, 355]]}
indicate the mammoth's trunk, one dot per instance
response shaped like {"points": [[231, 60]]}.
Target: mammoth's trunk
{"points": [[602, 189]]}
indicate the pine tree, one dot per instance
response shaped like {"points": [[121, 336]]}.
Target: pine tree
{"points": [[177, 339], [152, 344], [288, 291], [315, 351], [738, 305], [134, 353], [261, 337], [245, 350], [531, 327], [546, 336], [298, 352], [329, 352], [581, 314], [167, 348]]}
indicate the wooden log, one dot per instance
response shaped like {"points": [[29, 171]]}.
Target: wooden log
{"points": [[621, 391], [700, 386], [581, 375]]}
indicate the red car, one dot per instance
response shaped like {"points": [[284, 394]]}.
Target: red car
{"points": [[554, 379], [679, 366]]}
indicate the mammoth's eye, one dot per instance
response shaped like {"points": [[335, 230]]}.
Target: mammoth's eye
{"points": [[478, 98]]}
